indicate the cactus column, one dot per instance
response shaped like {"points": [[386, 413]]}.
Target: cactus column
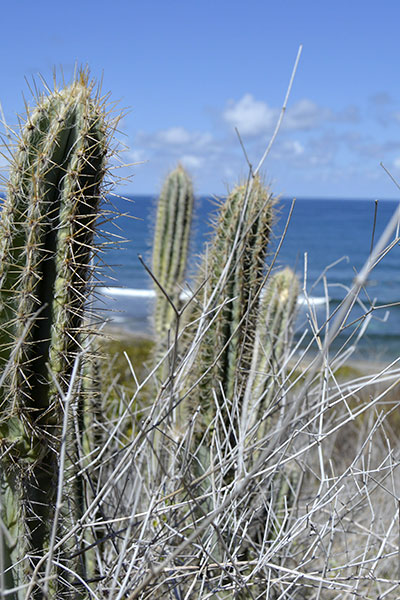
{"points": [[46, 238], [273, 339], [275, 332], [233, 268], [171, 241]]}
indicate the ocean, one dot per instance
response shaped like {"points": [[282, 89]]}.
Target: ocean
{"points": [[329, 240]]}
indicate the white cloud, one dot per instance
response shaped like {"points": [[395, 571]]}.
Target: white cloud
{"points": [[288, 149], [175, 137], [136, 155], [350, 114], [314, 139], [305, 115], [190, 161], [229, 172], [380, 99], [294, 147], [371, 147], [250, 116], [254, 117], [195, 150]]}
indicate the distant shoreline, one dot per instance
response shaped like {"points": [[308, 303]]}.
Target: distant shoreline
{"points": [[363, 365], [118, 332]]}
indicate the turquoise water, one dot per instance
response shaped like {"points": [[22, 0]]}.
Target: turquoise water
{"points": [[326, 230]]}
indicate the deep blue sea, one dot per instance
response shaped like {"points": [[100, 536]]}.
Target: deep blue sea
{"points": [[329, 231]]}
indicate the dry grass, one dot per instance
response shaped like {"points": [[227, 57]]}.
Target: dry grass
{"points": [[307, 509], [175, 531]]}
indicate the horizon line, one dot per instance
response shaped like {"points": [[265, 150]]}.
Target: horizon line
{"points": [[301, 197]]}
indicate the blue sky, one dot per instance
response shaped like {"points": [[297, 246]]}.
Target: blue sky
{"points": [[190, 71]]}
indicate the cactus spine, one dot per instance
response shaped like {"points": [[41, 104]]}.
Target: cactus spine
{"points": [[46, 243], [171, 242]]}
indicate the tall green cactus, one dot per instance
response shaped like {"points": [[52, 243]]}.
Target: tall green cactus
{"points": [[46, 244], [171, 242], [274, 335], [264, 399], [233, 268]]}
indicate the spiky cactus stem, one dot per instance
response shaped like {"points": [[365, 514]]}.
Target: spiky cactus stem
{"points": [[46, 242], [171, 242], [221, 328], [274, 336], [264, 399], [233, 269]]}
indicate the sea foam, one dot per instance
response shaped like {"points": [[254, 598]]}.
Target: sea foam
{"points": [[143, 293]]}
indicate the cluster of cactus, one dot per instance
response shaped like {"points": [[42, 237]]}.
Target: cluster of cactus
{"points": [[243, 319], [235, 331], [46, 249]]}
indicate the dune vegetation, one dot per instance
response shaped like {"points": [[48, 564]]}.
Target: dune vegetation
{"points": [[220, 458]]}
